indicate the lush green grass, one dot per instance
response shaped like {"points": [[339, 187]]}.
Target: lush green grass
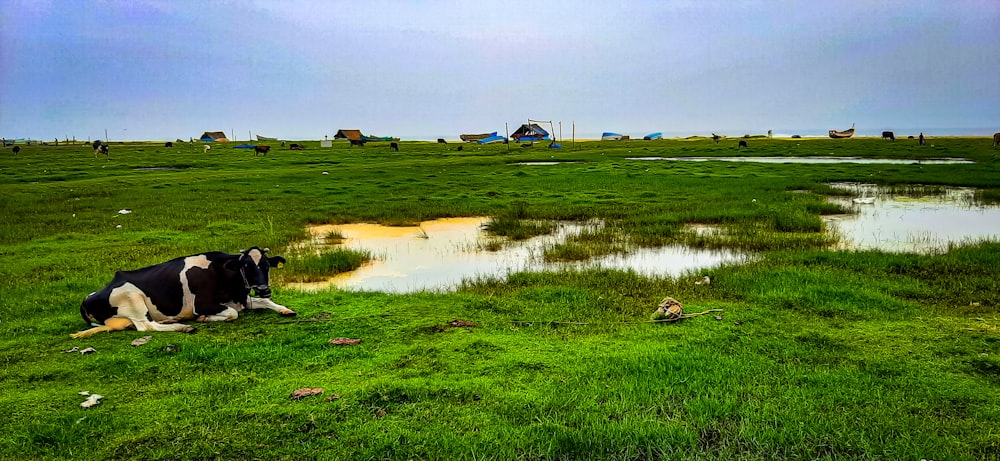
{"points": [[819, 354]]}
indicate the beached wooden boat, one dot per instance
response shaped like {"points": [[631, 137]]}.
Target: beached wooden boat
{"points": [[265, 138], [842, 134]]}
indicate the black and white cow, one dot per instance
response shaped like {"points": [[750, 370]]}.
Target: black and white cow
{"points": [[206, 287], [888, 135]]}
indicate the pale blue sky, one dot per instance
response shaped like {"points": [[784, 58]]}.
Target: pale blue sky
{"points": [[301, 69]]}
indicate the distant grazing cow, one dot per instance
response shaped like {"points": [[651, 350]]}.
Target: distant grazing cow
{"points": [[442, 141], [263, 150], [357, 142], [168, 144], [17, 149], [294, 146], [888, 135], [104, 150], [97, 147], [996, 139], [206, 287], [459, 147], [394, 147], [743, 144], [716, 138]]}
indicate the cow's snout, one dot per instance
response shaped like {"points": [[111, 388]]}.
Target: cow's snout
{"points": [[263, 291]]}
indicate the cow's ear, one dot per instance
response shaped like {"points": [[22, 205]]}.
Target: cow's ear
{"points": [[276, 261]]}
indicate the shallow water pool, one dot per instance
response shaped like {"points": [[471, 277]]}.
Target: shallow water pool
{"points": [[437, 255], [914, 219]]}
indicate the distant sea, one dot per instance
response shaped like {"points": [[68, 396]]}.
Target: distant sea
{"points": [[778, 133]]}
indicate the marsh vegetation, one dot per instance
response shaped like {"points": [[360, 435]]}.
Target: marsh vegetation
{"points": [[819, 353]]}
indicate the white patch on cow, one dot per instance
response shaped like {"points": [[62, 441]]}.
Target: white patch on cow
{"points": [[133, 304], [256, 255], [187, 303]]}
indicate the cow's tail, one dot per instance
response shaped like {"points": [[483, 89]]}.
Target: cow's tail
{"points": [[111, 324]]}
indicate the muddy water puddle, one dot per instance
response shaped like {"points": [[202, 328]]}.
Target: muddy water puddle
{"points": [[437, 255], [914, 219]]}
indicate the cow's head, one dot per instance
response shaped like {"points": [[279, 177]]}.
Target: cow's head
{"points": [[254, 266]]}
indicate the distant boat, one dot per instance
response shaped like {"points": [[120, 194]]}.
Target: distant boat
{"points": [[652, 136], [492, 139], [265, 138], [476, 137], [609, 136], [842, 134]]}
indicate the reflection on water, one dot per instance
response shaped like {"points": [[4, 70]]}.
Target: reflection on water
{"points": [[437, 255], [921, 220], [817, 159]]}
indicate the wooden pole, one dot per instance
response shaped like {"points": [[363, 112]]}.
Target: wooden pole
{"points": [[574, 134], [506, 131]]}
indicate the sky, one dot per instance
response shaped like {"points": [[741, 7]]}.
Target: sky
{"points": [[424, 69]]}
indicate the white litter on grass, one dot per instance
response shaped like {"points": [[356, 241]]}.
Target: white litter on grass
{"points": [[124, 211], [92, 400], [118, 226], [326, 172], [89, 350]]}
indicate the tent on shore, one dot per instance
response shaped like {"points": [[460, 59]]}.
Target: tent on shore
{"points": [[353, 135], [530, 132], [214, 136]]}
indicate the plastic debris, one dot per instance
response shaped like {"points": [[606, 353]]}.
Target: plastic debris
{"points": [[92, 400], [89, 350], [141, 341], [306, 392], [669, 309], [344, 341], [124, 211]]}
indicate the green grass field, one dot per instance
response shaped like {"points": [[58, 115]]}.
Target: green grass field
{"points": [[819, 354]]}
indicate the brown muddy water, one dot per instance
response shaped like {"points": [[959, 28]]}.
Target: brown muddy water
{"points": [[437, 255], [913, 219]]}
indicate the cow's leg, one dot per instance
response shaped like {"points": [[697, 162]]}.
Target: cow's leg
{"points": [[266, 303], [149, 325], [227, 314]]}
